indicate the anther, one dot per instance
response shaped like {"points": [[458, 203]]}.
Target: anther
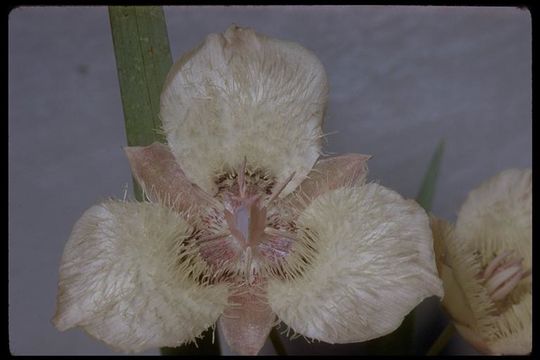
{"points": [[503, 274], [496, 262]]}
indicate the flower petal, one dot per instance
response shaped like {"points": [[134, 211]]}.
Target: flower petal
{"points": [[247, 322], [511, 343], [497, 215], [129, 279], [156, 170], [369, 262], [331, 173], [241, 95], [517, 339]]}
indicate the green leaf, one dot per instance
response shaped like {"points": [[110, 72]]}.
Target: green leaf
{"points": [[143, 59], [427, 190]]}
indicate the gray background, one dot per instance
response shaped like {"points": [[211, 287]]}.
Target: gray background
{"points": [[401, 78]]}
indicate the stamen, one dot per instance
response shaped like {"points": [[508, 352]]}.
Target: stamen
{"points": [[504, 290], [501, 277], [496, 262], [280, 233], [214, 237], [275, 252], [503, 274]]}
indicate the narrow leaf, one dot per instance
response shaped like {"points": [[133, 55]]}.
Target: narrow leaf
{"points": [[427, 190], [143, 60]]}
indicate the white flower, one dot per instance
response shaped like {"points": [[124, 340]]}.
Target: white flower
{"points": [[244, 225], [485, 264]]}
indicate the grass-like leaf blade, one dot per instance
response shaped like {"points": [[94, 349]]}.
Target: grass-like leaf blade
{"points": [[427, 189]]}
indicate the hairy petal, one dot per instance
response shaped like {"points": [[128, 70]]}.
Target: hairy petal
{"points": [[328, 174], [370, 262], [498, 215], [517, 339], [156, 170], [246, 323], [243, 96], [128, 278]]}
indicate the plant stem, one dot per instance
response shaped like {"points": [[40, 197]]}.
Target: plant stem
{"points": [[276, 342], [442, 340]]}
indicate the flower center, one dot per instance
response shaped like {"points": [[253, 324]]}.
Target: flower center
{"points": [[503, 274], [251, 233]]}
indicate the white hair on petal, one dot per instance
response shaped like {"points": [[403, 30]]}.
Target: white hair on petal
{"points": [[361, 249], [129, 278], [243, 95]]}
